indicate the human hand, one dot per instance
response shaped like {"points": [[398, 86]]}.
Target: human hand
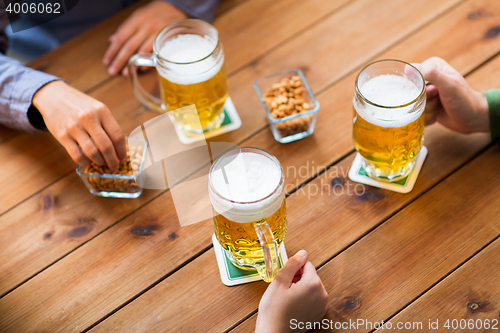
{"points": [[296, 293], [450, 99], [78, 120], [138, 32]]}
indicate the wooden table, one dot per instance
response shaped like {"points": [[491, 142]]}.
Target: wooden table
{"points": [[70, 261]]}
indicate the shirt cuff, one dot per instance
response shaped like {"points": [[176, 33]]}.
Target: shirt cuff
{"points": [[21, 99], [493, 98]]}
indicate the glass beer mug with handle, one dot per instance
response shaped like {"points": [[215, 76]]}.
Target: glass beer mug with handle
{"points": [[388, 126], [247, 192], [189, 59]]}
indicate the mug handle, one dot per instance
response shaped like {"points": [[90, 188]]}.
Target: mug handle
{"points": [[143, 60], [270, 269]]}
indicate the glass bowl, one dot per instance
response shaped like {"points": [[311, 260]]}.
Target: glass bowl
{"points": [[116, 185], [291, 127]]}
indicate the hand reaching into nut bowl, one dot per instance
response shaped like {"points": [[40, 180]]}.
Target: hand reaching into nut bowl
{"points": [[120, 183]]}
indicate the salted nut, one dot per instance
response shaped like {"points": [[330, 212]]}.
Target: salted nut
{"points": [[286, 98], [129, 167]]}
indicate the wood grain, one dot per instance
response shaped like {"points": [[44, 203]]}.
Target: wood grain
{"points": [[454, 37], [470, 293], [372, 267], [64, 250], [293, 172], [53, 223], [33, 161], [120, 96], [429, 239], [331, 49], [6, 133], [240, 84]]}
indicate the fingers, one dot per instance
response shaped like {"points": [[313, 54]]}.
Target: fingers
{"points": [[437, 72], [75, 153], [105, 146], [126, 51], [291, 268], [432, 109], [118, 39], [89, 148], [310, 276], [94, 139], [115, 133]]}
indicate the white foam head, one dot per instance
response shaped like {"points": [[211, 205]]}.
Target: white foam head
{"points": [[389, 90], [186, 51], [246, 178]]}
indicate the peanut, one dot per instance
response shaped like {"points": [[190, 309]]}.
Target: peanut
{"points": [[288, 98], [129, 167]]}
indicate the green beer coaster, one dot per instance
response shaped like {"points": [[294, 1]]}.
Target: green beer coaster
{"points": [[358, 174], [231, 122], [231, 275]]}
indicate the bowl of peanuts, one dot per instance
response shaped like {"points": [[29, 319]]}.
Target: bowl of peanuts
{"points": [[121, 183], [289, 103]]}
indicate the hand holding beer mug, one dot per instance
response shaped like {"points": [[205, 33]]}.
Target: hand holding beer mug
{"points": [[190, 63], [247, 192], [388, 125]]}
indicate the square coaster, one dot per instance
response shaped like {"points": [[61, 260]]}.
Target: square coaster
{"points": [[358, 174], [231, 275], [231, 122]]}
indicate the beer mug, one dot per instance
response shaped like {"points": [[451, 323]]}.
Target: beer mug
{"points": [[388, 126], [247, 192], [189, 60]]}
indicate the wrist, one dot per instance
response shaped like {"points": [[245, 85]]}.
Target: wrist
{"points": [[46, 93], [273, 325], [481, 121]]}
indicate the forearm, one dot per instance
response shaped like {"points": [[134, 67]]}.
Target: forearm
{"points": [[200, 9], [18, 84], [493, 98]]}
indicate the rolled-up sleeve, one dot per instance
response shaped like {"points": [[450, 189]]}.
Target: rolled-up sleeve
{"points": [[18, 84], [200, 9]]}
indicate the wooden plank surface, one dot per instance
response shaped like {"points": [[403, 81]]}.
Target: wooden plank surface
{"points": [[155, 270], [6, 133], [240, 84], [53, 223], [407, 248], [33, 161], [121, 98], [404, 257], [207, 238], [163, 250], [49, 253], [470, 293], [454, 37]]}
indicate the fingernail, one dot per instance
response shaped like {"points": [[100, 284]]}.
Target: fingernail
{"points": [[111, 71], [302, 253], [105, 61]]}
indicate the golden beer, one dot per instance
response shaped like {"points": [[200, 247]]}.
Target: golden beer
{"points": [[388, 125], [208, 96], [246, 188], [189, 59], [241, 240]]}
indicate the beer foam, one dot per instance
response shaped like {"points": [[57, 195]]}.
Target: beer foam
{"points": [[248, 177], [185, 49], [389, 90]]}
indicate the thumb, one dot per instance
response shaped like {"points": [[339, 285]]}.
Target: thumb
{"points": [[436, 71], [292, 266]]}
